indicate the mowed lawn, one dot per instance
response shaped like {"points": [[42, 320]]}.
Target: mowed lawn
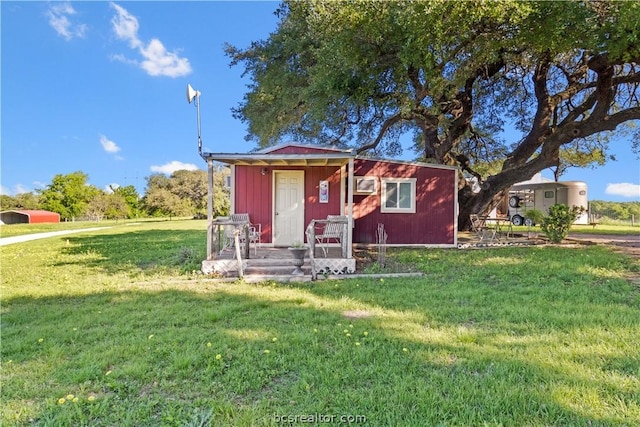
{"points": [[116, 328]]}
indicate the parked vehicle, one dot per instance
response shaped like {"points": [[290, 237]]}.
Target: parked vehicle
{"points": [[524, 197]]}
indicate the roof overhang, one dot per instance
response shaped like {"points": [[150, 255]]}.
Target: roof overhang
{"points": [[261, 159]]}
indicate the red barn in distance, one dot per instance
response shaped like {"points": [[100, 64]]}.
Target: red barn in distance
{"points": [[28, 216]]}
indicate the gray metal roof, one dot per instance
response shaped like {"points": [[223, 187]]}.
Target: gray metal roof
{"points": [[262, 159]]}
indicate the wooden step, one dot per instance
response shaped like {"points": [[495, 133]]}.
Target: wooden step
{"points": [[277, 270], [271, 261]]}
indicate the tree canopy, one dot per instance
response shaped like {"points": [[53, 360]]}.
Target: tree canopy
{"points": [[453, 76], [185, 193], [69, 195]]}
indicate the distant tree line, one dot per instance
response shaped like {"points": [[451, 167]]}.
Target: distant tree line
{"points": [[622, 211], [183, 193]]}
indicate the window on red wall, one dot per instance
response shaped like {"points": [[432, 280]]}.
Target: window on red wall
{"points": [[398, 195]]}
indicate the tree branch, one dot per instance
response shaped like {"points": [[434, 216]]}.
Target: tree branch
{"points": [[541, 120], [388, 123]]}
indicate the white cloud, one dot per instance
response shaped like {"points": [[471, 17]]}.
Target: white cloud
{"points": [[108, 145], [173, 166], [17, 189], [156, 60], [59, 14], [126, 26], [159, 62], [110, 187], [20, 189], [624, 189], [121, 58]]}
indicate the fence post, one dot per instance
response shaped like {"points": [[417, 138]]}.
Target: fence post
{"points": [[382, 245]]}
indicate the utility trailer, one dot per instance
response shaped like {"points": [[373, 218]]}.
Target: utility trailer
{"points": [[540, 196]]}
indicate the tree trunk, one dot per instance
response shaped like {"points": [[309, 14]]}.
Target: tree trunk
{"points": [[478, 203], [471, 203]]}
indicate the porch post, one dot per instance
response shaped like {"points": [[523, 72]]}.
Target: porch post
{"points": [[350, 210], [209, 208], [232, 190]]}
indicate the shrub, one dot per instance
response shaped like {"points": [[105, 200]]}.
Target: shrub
{"points": [[557, 223], [533, 217]]}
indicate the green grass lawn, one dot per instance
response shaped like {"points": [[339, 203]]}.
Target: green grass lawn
{"points": [[577, 229], [8, 230], [606, 229], [115, 327]]}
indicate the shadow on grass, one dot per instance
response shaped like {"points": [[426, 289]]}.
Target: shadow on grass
{"points": [[142, 250], [244, 353], [549, 289]]}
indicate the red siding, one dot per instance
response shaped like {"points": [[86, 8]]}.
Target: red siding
{"points": [[432, 223], [434, 219], [313, 209], [253, 194], [44, 218]]}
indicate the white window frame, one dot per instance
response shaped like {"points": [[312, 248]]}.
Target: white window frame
{"points": [[357, 179], [383, 198]]}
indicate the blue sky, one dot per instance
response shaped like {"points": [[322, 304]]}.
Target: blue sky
{"points": [[100, 87]]}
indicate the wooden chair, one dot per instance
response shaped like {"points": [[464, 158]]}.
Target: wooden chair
{"points": [[482, 229]]}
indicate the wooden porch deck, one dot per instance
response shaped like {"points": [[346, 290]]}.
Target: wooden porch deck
{"points": [[272, 261], [278, 253]]}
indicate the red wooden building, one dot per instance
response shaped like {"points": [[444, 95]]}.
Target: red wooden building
{"points": [[284, 188], [417, 203]]}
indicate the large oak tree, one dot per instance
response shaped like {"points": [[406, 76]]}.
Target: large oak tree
{"points": [[452, 75]]}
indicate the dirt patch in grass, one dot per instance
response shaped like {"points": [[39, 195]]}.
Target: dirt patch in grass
{"points": [[357, 314], [626, 244]]}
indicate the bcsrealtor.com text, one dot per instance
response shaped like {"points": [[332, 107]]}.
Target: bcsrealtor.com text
{"points": [[319, 418]]}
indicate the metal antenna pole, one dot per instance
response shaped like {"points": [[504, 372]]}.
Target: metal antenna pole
{"points": [[197, 102], [194, 95]]}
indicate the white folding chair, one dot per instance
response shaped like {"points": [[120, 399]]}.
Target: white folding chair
{"points": [[255, 230], [334, 229]]}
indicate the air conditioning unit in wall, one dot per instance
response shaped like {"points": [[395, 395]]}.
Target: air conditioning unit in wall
{"points": [[365, 185]]}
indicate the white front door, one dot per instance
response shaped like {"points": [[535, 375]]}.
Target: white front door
{"points": [[288, 222]]}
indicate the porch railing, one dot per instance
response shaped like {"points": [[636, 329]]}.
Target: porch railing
{"points": [[320, 231], [226, 236], [311, 241]]}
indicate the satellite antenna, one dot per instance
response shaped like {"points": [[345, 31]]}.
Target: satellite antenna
{"points": [[194, 95]]}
